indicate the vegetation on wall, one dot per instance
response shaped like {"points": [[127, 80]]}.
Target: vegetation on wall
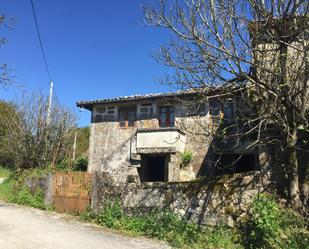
{"points": [[186, 158]]}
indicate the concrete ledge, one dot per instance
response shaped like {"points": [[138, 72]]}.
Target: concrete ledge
{"points": [[156, 150], [160, 129]]}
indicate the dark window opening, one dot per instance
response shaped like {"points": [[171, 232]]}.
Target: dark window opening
{"points": [[153, 169], [127, 117], [167, 116], [228, 112], [235, 163], [214, 107]]}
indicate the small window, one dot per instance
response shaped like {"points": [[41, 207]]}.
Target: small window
{"points": [[108, 118], [167, 116], [146, 111], [127, 117], [100, 109], [215, 107], [98, 118]]}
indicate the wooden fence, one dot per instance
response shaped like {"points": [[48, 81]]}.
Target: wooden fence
{"points": [[72, 191]]}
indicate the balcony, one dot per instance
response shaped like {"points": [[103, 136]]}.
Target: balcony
{"points": [[160, 140]]}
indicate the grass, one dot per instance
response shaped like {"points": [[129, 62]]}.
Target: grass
{"points": [[267, 225], [6, 189], [5, 172], [163, 225]]}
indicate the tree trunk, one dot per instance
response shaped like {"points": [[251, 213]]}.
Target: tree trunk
{"points": [[294, 190], [305, 186]]}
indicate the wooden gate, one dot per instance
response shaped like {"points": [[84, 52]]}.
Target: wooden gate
{"points": [[72, 191]]}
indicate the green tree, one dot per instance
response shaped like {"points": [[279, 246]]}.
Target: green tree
{"points": [[34, 139], [7, 114]]}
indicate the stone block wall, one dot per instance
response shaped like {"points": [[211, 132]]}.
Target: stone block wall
{"points": [[109, 149], [205, 202]]}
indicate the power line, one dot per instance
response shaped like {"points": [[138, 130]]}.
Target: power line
{"points": [[40, 40]]}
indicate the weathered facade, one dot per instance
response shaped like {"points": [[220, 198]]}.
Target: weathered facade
{"points": [[144, 138]]}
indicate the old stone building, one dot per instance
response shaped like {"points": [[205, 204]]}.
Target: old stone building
{"points": [[164, 137]]}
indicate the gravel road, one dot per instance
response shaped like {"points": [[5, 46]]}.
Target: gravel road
{"points": [[28, 228]]}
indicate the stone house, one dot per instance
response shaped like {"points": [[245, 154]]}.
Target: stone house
{"points": [[165, 137]]}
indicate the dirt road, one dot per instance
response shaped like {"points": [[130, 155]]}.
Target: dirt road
{"points": [[27, 228]]}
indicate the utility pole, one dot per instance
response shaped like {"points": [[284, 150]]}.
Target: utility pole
{"points": [[74, 147], [50, 99]]}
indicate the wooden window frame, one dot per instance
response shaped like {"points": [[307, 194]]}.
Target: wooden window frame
{"points": [[168, 122], [126, 123]]}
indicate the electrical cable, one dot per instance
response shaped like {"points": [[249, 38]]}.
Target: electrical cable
{"points": [[40, 41]]}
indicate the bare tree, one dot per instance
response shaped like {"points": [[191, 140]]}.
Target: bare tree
{"points": [[34, 140], [260, 46], [5, 78]]}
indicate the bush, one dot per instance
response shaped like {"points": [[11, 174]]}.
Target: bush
{"points": [[80, 164], [25, 197], [269, 226], [62, 165]]}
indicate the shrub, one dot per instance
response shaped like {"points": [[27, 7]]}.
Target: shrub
{"points": [[25, 197], [269, 226], [80, 164], [62, 165], [186, 158]]}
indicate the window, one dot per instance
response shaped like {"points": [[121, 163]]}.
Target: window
{"points": [[127, 117], [145, 111], [215, 107], [228, 111], [167, 116], [104, 114]]}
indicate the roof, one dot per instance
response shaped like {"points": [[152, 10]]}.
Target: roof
{"points": [[88, 104], [210, 91]]}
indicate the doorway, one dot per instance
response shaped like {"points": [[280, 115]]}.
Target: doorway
{"points": [[154, 168]]}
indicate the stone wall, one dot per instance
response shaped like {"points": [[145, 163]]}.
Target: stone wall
{"points": [[111, 147], [44, 183], [114, 149], [206, 202]]}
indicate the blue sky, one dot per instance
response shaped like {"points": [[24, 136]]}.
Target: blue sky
{"points": [[94, 48]]}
